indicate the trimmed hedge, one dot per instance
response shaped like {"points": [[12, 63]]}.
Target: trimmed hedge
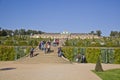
{"points": [[68, 53], [91, 53], [117, 56], [6, 53], [9, 53], [102, 42]]}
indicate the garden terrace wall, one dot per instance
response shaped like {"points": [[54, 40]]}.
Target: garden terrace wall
{"points": [[10, 53], [107, 54]]}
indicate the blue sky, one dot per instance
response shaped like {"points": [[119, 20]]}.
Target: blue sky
{"points": [[80, 16]]}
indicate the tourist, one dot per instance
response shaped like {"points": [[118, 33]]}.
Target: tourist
{"points": [[78, 57], [59, 52], [45, 47], [39, 45], [57, 42], [83, 59], [48, 47], [42, 45], [54, 43], [31, 52]]}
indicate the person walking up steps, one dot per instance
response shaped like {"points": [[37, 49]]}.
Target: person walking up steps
{"points": [[48, 47], [31, 52]]}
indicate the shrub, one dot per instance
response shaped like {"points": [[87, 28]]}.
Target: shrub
{"points": [[11, 53], [90, 53], [6, 53], [68, 52], [117, 56], [22, 43], [8, 42]]}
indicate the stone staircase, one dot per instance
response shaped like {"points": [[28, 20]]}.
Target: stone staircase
{"points": [[41, 57]]}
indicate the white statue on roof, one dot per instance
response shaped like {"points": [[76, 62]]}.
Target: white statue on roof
{"points": [[65, 32]]}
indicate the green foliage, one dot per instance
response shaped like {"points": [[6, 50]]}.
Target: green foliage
{"points": [[98, 32], [6, 53], [113, 74], [3, 32], [68, 52], [22, 43], [9, 53], [15, 47], [102, 42], [115, 34], [117, 56], [92, 54], [8, 42]]}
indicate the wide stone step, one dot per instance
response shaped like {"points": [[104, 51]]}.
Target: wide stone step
{"points": [[41, 57]]}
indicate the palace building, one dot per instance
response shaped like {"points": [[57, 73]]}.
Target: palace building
{"points": [[65, 35]]}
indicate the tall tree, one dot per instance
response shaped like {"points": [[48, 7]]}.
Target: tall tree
{"points": [[92, 32], [98, 32], [114, 34], [119, 34], [0, 31], [9, 32], [3, 33], [22, 32], [29, 32], [16, 32]]}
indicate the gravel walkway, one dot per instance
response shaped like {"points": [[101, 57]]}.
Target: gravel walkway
{"points": [[13, 71]]}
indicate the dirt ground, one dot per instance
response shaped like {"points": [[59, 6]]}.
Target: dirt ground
{"points": [[74, 71]]}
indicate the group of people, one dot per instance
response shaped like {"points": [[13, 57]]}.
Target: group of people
{"points": [[55, 42], [81, 58], [45, 46]]}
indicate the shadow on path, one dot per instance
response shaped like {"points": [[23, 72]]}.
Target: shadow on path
{"points": [[5, 69]]}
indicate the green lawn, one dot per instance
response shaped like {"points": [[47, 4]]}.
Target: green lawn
{"points": [[113, 74]]}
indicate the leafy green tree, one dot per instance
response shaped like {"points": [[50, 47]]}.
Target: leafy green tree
{"points": [[9, 32], [16, 32], [29, 32], [119, 34], [98, 32], [22, 32], [112, 33], [115, 34], [92, 32], [3, 33]]}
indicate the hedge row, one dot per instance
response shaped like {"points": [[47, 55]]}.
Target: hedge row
{"points": [[117, 56], [11, 53], [17, 41], [103, 42], [20, 43], [91, 53]]}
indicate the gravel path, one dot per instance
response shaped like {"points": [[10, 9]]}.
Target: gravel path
{"points": [[13, 71]]}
